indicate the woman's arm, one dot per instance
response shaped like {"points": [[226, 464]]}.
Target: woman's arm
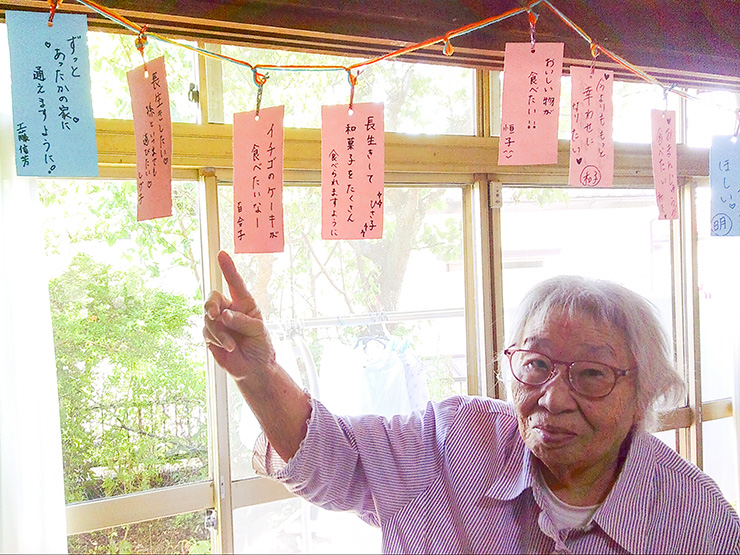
{"points": [[236, 335]]}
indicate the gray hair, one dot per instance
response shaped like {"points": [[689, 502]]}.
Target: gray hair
{"points": [[659, 386]]}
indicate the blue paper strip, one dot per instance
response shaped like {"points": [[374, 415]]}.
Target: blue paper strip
{"points": [[724, 181], [53, 121]]}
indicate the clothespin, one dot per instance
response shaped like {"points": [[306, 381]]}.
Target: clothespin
{"points": [[140, 43], [259, 80], [352, 83], [53, 5], [532, 23]]}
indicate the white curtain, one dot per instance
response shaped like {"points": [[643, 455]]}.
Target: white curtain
{"points": [[32, 514]]}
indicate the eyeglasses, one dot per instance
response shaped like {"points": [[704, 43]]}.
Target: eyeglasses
{"points": [[590, 379]]}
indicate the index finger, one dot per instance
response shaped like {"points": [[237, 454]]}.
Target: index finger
{"points": [[242, 300]]}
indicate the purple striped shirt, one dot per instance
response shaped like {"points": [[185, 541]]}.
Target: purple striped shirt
{"points": [[457, 478]]}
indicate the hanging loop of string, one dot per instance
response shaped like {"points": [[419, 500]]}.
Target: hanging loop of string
{"points": [[737, 126], [140, 41], [259, 78], [53, 5], [448, 50]]}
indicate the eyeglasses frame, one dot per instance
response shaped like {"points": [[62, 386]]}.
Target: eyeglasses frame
{"points": [[618, 372]]}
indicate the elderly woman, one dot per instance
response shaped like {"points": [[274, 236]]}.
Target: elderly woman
{"points": [[567, 467]]}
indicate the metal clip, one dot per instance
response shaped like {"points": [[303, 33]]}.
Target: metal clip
{"points": [[193, 94], [259, 80], [211, 519]]}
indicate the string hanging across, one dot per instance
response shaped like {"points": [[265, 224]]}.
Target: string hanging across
{"points": [[445, 40]]}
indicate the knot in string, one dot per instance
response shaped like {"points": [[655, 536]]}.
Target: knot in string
{"points": [[447, 50], [141, 40], [259, 78], [352, 84]]}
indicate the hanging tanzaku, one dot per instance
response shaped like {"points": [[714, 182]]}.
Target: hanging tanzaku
{"points": [[258, 181], [150, 103], [53, 123], [352, 171], [530, 104]]}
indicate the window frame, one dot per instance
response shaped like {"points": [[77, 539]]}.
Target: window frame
{"points": [[202, 152]]}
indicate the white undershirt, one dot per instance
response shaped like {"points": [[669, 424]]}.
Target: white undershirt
{"points": [[563, 515]]}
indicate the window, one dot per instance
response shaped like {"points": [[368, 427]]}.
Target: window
{"points": [[186, 533], [365, 326], [126, 310], [417, 98], [361, 324], [109, 85], [546, 232], [147, 425], [720, 344], [710, 115], [296, 526]]}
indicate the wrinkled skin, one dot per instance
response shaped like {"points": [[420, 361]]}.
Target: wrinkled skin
{"points": [[576, 439], [240, 343]]}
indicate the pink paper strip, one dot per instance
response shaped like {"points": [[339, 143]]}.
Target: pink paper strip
{"points": [[258, 181], [150, 102], [530, 104], [352, 171], [591, 141], [665, 172]]}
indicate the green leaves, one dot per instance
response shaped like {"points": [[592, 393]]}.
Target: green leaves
{"points": [[131, 384], [130, 362]]}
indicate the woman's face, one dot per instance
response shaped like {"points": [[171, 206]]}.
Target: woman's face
{"points": [[568, 432]]}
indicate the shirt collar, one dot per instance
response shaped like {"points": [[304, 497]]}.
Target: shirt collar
{"points": [[625, 513], [516, 476]]}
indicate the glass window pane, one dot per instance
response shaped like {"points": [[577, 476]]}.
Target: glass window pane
{"points": [[564, 125], [712, 114], [418, 98], [296, 526], [668, 437], [366, 326], [126, 307], [113, 55], [719, 304], [632, 105], [720, 456], [185, 533], [605, 233]]}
